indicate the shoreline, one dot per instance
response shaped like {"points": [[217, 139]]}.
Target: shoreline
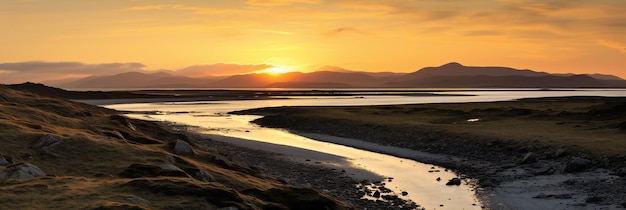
{"points": [[307, 168], [507, 179]]}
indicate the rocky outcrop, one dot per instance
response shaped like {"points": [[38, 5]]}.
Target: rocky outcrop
{"points": [[183, 148], [529, 158], [4, 161], [454, 181], [204, 176], [45, 143], [21, 171], [577, 165]]}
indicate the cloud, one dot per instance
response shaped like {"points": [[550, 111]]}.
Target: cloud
{"points": [[37, 71], [266, 3], [70, 67], [343, 30], [220, 69]]}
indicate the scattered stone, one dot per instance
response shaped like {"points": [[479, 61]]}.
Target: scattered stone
{"points": [[45, 144], [183, 148], [545, 171], [438, 179], [171, 159], [559, 153], [621, 172], [577, 165], [529, 158], [138, 200], [204, 176], [404, 193], [376, 194], [454, 181], [3, 161], [169, 166], [546, 196], [21, 171], [594, 199]]}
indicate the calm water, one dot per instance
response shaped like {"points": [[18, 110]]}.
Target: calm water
{"points": [[410, 176]]}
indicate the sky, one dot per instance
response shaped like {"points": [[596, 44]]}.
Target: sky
{"points": [[55, 39]]}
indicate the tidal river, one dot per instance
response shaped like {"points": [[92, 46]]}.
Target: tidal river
{"points": [[417, 179]]}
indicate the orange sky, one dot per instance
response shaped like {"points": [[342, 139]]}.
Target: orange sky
{"points": [[558, 36]]}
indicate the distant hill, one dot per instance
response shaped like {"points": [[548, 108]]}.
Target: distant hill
{"points": [[455, 75], [138, 80], [452, 75], [44, 90]]}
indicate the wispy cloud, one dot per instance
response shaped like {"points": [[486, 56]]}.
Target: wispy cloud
{"points": [[343, 30], [37, 71], [280, 2]]}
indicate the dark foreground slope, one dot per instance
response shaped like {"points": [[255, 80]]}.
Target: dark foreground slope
{"points": [[64, 155]]}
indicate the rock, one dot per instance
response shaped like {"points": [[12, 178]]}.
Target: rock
{"points": [[376, 194], [577, 165], [169, 166], [3, 161], [404, 193], [204, 176], [621, 172], [454, 181], [21, 171], [183, 148], [171, 159], [545, 171], [594, 199], [559, 153], [529, 158], [438, 179], [45, 144]]}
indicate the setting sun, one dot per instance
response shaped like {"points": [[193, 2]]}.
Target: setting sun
{"points": [[278, 70]]}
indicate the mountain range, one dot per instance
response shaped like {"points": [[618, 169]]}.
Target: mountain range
{"points": [[451, 75]]}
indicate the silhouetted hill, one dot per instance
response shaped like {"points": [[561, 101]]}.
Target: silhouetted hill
{"points": [[137, 80], [322, 78], [456, 69], [448, 75], [48, 91], [481, 81], [455, 75]]}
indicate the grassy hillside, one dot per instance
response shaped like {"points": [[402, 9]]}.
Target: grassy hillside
{"points": [[105, 161]]}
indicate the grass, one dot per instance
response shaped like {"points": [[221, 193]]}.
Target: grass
{"points": [[591, 125], [97, 145]]}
